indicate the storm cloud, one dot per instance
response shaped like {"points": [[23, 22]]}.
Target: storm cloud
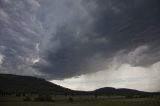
{"points": [[88, 44], [19, 35], [58, 39]]}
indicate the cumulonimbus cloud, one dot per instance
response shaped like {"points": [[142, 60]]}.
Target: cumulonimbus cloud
{"points": [[87, 45], [60, 39]]}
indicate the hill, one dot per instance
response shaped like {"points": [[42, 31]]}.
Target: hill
{"points": [[26, 84], [121, 91]]}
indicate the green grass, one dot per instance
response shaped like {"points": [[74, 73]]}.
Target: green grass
{"points": [[84, 101]]}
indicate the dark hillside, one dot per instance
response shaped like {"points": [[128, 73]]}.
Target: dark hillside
{"points": [[28, 84], [10, 84]]}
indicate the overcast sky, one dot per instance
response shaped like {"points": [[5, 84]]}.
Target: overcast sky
{"points": [[83, 44]]}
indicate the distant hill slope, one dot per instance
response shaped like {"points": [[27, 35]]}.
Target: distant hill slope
{"points": [[18, 83], [122, 91], [28, 84]]}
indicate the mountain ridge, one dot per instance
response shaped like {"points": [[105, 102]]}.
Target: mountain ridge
{"points": [[29, 84]]}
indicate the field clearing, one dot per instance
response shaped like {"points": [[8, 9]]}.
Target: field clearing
{"points": [[87, 101]]}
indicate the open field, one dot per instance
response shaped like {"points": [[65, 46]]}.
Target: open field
{"points": [[83, 101], [19, 91]]}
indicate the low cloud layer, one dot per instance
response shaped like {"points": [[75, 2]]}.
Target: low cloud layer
{"points": [[58, 39], [119, 74], [88, 43]]}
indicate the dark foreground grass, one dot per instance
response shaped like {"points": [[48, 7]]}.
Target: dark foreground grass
{"points": [[94, 102]]}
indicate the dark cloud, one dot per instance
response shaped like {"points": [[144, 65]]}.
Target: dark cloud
{"points": [[114, 25], [19, 35], [60, 39]]}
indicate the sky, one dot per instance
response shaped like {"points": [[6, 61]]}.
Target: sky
{"points": [[83, 44]]}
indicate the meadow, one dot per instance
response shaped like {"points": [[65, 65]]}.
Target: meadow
{"points": [[82, 101]]}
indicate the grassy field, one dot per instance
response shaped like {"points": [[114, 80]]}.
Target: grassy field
{"points": [[83, 101]]}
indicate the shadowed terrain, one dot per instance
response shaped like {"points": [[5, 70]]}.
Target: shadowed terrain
{"points": [[26, 84], [31, 91]]}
